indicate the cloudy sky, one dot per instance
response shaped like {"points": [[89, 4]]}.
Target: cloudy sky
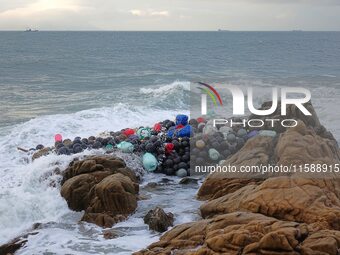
{"points": [[170, 14]]}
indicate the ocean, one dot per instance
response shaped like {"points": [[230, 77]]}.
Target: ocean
{"points": [[83, 83]]}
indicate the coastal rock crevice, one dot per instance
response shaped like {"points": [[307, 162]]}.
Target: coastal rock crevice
{"points": [[103, 187]]}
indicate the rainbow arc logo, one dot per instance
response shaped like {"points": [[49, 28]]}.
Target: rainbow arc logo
{"points": [[212, 93]]}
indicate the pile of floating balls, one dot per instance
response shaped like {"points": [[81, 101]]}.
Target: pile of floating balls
{"points": [[169, 147]]}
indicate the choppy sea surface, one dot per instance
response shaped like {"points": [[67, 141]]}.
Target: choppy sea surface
{"points": [[83, 83]]}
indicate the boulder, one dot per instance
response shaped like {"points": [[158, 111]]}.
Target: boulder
{"points": [[280, 196], [77, 190], [103, 187], [42, 152], [244, 233], [302, 200], [114, 198], [300, 145], [158, 220], [90, 164]]}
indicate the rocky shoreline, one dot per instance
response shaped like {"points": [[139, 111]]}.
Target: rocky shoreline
{"points": [[276, 215], [288, 214]]}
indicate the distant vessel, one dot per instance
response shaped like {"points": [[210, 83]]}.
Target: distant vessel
{"points": [[297, 30], [223, 30], [31, 30]]}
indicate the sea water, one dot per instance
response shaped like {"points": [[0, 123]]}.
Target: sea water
{"points": [[83, 83]]}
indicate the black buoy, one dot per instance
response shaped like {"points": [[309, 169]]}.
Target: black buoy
{"points": [[77, 149], [39, 147], [169, 171], [97, 145], [63, 151]]}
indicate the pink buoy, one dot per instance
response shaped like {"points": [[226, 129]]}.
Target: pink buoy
{"points": [[58, 138]]}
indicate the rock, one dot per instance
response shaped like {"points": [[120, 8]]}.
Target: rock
{"points": [[188, 180], [289, 213], [115, 196], [111, 234], [14, 245], [158, 220], [107, 163], [244, 233], [255, 152], [103, 187], [43, 152], [293, 112], [301, 145], [11, 247], [76, 190], [151, 186], [322, 242], [280, 196]]}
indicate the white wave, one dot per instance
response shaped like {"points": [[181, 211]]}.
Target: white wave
{"points": [[26, 197], [69, 237], [177, 86]]}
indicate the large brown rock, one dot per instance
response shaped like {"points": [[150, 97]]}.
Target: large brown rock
{"points": [[289, 213], [116, 196], [302, 200], [244, 233], [297, 197], [109, 164], [301, 145], [77, 190], [256, 151], [103, 187]]}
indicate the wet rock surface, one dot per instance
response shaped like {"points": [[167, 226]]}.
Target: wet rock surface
{"points": [[291, 213], [11, 247], [103, 187], [245, 233], [159, 220], [14, 245]]}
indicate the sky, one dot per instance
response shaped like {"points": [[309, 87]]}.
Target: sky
{"points": [[248, 15]]}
